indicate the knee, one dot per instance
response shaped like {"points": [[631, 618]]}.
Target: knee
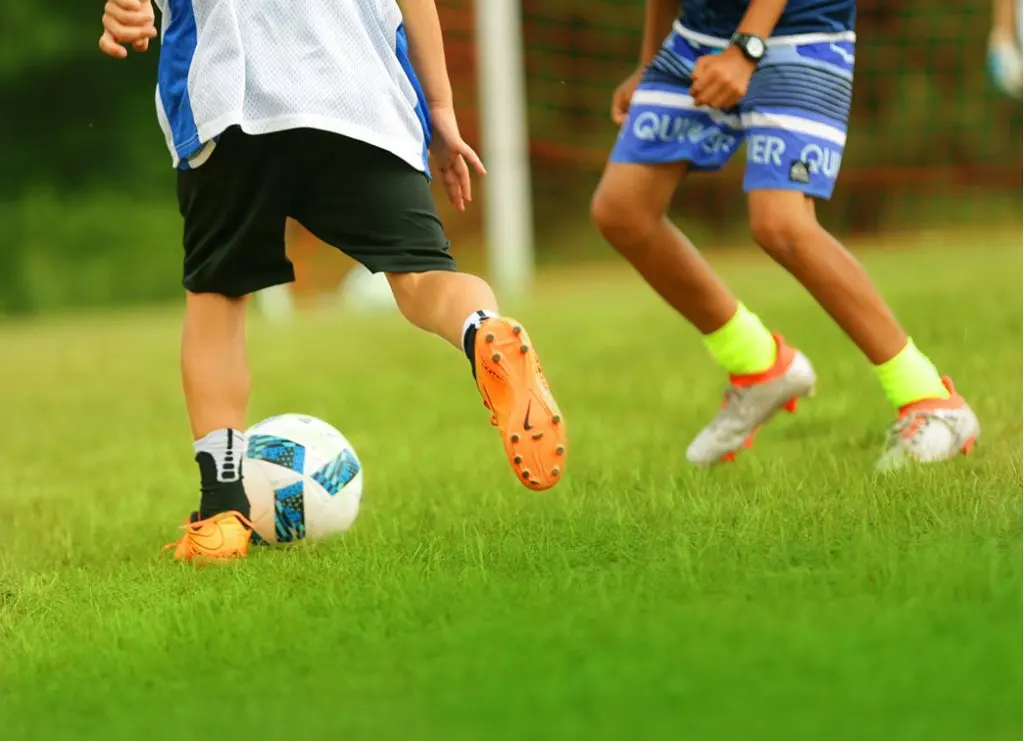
{"points": [[782, 234], [621, 218]]}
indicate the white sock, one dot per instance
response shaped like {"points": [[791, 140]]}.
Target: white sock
{"points": [[226, 447], [474, 320]]}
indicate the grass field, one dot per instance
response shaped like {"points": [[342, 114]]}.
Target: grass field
{"points": [[792, 596]]}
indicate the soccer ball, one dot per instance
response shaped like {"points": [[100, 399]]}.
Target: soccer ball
{"points": [[302, 477]]}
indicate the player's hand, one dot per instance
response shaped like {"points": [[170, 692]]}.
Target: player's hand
{"points": [[453, 157], [623, 95], [127, 22], [721, 80], [1004, 63]]}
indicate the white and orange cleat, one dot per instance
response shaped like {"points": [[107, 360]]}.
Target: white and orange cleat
{"points": [[750, 401], [512, 383], [218, 538], [931, 430]]}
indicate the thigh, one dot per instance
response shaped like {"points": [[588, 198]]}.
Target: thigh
{"points": [[235, 205], [795, 117], [369, 204], [664, 123], [627, 190]]}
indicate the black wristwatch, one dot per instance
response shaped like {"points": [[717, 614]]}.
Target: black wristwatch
{"points": [[753, 47]]}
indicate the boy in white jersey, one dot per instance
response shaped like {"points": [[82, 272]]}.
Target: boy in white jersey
{"points": [[778, 75], [323, 112]]}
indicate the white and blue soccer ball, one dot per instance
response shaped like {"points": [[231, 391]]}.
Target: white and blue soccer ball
{"points": [[303, 479]]}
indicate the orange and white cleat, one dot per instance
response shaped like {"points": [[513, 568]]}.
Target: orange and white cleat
{"points": [[512, 383], [931, 430], [750, 401], [218, 538]]}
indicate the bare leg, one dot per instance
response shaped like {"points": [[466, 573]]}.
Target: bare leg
{"points": [[785, 225], [440, 301], [215, 377], [462, 309], [214, 367], [629, 208]]}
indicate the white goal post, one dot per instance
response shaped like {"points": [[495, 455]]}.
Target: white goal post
{"points": [[508, 219], [508, 215]]}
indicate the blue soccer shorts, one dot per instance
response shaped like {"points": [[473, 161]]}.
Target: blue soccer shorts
{"points": [[793, 118]]}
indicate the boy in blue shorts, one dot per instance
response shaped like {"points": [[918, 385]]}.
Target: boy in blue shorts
{"points": [[777, 75]]}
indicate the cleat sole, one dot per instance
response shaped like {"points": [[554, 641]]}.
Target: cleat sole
{"points": [[512, 383]]}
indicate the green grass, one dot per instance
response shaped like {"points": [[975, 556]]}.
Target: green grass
{"points": [[791, 596]]}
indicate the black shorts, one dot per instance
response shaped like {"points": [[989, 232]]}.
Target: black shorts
{"points": [[363, 200]]}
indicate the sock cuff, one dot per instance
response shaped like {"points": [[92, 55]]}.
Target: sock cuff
{"points": [[226, 447], [742, 346], [226, 437], [909, 376], [909, 349], [742, 316], [475, 319]]}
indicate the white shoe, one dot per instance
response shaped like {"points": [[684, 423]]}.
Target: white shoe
{"points": [[931, 430], [750, 401]]}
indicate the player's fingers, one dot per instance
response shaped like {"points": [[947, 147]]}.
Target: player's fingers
{"points": [[708, 91], [453, 189], [620, 105], [619, 111], [127, 34], [699, 69], [112, 48], [697, 87], [473, 159], [141, 45], [131, 14], [465, 181]]}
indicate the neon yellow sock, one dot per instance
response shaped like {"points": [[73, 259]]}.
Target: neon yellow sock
{"points": [[743, 346], [910, 377]]}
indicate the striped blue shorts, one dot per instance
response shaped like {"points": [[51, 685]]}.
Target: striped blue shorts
{"points": [[793, 118]]}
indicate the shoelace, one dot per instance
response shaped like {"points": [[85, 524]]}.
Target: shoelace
{"points": [[909, 427], [190, 527], [732, 395]]}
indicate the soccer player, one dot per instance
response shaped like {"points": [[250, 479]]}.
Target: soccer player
{"points": [[777, 75], [324, 112]]}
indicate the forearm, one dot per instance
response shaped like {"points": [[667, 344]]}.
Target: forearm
{"points": [[1002, 18], [658, 19], [426, 50], [761, 17]]}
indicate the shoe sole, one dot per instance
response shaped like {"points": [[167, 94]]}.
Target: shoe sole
{"points": [[535, 434]]}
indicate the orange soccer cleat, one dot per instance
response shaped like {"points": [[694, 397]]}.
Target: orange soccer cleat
{"points": [[221, 537], [512, 383]]}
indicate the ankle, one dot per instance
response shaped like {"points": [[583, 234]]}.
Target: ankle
{"points": [[469, 329], [219, 456]]}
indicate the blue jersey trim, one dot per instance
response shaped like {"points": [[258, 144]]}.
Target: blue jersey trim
{"points": [[422, 110], [177, 48]]}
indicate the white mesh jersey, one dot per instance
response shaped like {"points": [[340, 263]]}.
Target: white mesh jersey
{"points": [[269, 65]]}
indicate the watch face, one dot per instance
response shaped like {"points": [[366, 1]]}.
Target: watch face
{"points": [[755, 47]]}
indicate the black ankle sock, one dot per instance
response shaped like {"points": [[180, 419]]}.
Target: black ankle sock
{"points": [[469, 336], [219, 456], [469, 347], [219, 496]]}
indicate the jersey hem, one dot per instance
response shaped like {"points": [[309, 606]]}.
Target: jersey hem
{"points": [[413, 158], [798, 39]]}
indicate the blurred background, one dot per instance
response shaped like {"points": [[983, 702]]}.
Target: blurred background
{"points": [[87, 192]]}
